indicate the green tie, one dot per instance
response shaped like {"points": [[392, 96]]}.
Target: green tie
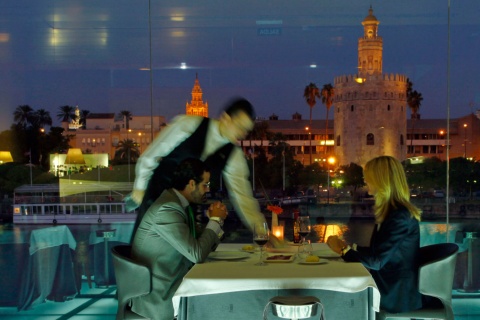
{"points": [[191, 221]]}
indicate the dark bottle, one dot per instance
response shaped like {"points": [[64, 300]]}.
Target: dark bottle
{"points": [[296, 227]]}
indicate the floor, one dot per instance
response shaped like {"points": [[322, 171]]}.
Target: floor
{"points": [[100, 303]]}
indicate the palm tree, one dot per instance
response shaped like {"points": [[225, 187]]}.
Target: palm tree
{"points": [[328, 92], [127, 115], [66, 113], [310, 94], [83, 118], [127, 150], [42, 118], [23, 116], [414, 101]]}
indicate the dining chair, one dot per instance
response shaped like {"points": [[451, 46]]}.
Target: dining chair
{"points": [[435, 280], [294, 307], [133, 280]]}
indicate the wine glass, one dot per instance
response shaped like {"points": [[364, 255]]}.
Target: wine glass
{"points": [[304, 227], [261, 234]]}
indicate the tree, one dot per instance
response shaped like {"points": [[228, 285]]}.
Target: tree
{"points": [[127, 116], [259, 132], [42, 118], [127, 150], [328, 92], [83, 118], [352, 176], [414, 101], [66, 113], [310, 94], [23, 116]]}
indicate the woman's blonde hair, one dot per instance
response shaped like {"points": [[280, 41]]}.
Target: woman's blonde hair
{"points": [[386, 175]]}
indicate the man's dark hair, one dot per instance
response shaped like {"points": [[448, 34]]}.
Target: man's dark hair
{"points": [[240, 104], [188, 169]]}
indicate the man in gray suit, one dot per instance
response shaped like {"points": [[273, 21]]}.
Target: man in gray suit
{"points": [[167, 242]]}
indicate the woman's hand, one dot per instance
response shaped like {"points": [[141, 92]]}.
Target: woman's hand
{"points": [[336, 244]]}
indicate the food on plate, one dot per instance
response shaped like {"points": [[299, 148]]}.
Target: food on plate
{"points": [[248, 247], [280, 257], [312, 259]]}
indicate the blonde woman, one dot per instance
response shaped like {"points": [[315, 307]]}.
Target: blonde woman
{"points": [[393, 252]]}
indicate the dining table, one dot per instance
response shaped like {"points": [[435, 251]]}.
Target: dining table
{"points": [[230, 285]]}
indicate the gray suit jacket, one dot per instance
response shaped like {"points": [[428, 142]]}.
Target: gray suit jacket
{"points": [[164, 243]]}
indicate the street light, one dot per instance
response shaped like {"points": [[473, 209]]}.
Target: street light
{"points": [[465, 140], [331, 161], [128, 154], [310, 139]]}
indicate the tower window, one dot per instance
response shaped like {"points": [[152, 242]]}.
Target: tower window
{"points": [[338, 141], [370, 139], [388, 107], [401, 140], [352, 107]]}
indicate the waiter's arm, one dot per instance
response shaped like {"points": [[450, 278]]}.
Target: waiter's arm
{"points": [[236, 176], [169, 138]]}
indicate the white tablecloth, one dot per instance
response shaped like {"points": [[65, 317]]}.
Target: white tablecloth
{"points": [[215, 276], [51, 237]]}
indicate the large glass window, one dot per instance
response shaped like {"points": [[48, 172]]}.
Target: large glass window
{"points": [[144, 57]]}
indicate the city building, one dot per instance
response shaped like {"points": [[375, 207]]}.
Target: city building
{"points": [[104, 131]]}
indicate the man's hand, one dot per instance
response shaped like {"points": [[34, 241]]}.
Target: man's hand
{"points": [[137, 196], [217, 209], [133, 200]]}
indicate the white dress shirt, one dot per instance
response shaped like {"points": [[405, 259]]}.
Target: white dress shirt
{"points": [[235, 173]]}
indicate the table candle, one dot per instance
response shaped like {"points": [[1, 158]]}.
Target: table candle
{"points": [[278, 232]]}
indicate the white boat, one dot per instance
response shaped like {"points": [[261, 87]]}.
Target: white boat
{"points": [[84, 203]]}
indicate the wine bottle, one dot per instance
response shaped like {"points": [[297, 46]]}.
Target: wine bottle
{"points": [[296, 232]]}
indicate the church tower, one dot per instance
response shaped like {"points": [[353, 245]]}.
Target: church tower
{"points": [[370, 110], [197, 107]]}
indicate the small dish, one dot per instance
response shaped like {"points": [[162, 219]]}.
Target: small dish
{"points": [[321, 261], [279, 258]]}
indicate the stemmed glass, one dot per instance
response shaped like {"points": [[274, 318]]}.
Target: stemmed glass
{"points": [[304, 227], [261, 235]]}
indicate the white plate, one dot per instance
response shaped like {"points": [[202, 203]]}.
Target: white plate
{"points": [[287, 258], [326, 253], [321, 261], [228, 255]]}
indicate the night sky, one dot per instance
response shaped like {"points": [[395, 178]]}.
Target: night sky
{"points": [[94, 53]]}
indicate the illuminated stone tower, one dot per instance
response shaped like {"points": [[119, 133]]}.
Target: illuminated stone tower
{"points": [[370, 110], [197, 107]]}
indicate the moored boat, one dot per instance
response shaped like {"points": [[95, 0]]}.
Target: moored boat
{"points": [[84, 203]]}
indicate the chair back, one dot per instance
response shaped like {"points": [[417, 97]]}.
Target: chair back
{"points": [[437, 269], [294, 307], [133, 279]]}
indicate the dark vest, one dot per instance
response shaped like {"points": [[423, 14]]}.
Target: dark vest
{"points": [[192, 147]]}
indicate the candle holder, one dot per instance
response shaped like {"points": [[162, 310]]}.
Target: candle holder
{"points": [[278, 232]]}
